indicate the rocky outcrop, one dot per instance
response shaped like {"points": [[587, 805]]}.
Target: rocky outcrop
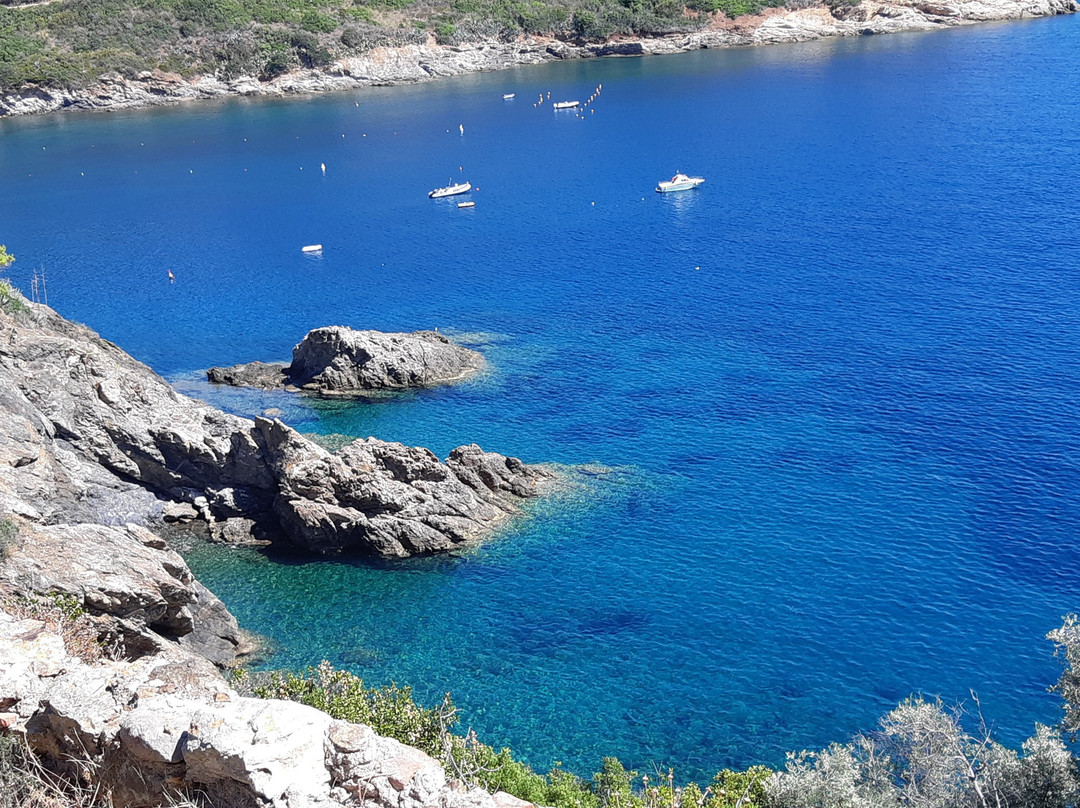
{"points": [[263, 375], [90, 435], [390, 499], [415, 63], [168, 724], [143, 591], [341, 361]]}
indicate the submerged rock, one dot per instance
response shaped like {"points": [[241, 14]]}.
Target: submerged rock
{"points": [[263, 375], [340, 361]]}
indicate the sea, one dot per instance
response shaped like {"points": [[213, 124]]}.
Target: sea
{"points": [[819, 419]]}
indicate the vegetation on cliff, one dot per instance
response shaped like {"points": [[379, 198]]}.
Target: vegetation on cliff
{"points": [[71, 43], [923, 754]]}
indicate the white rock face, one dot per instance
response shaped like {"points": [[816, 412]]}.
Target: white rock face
{"points": [[170, 720], [414, 63]]}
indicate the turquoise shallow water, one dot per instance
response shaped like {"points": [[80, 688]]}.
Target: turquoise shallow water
{"points": [[829, 400]]}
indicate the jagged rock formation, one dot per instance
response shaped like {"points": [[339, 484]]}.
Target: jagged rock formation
{"points": [[90, 442], [90, 435], [340, 361], [128, 574], [166, 723], [415, 63]]}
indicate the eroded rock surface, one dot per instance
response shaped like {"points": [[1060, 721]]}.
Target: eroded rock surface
{"points": [[342, 361], [168, 724], [90, 435]]}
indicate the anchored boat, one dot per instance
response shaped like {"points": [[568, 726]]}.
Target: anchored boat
{"points": [[450, 190], [565, 104], [680, 182]]}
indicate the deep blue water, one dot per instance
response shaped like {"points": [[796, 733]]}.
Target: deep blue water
{"points": [[829, 401]]}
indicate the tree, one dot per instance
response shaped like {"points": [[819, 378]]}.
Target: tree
{"points": [[6, 258]]}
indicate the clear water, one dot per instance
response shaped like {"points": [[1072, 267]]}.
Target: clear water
{"points": [[830, 399]]}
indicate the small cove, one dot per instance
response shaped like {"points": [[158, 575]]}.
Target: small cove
{"points": [[834, 389]]}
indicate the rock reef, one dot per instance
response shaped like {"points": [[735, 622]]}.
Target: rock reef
{"points": [[341, 361], [90, 435], [416, 63]]}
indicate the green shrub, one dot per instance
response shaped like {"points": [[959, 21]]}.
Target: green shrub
{"points": [[9, 537], [360, 14], [317, 22], [390, 711], [445, 33]]}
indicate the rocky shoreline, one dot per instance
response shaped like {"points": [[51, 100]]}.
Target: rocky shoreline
{"points": [[111, 650], [89, 435], [417, 63]]}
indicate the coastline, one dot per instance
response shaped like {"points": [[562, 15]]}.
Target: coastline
{"points": [[417, 63]]}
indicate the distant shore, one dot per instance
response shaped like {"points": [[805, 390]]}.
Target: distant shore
{"points": [[416, 63]]}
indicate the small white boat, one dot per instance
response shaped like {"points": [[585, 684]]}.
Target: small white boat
{"points": [[565, 104], [453, 189], [508, 96], [680, 182], [312, 248], [466, 204]]}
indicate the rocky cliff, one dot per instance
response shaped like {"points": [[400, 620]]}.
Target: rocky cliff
{"points": [[415, 63], [109, 647], [164, 728], [90, 435]]}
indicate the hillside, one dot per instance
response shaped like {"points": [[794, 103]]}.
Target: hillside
{"points": [[70, 43]]}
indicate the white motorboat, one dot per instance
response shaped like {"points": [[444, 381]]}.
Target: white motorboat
{"points": [[508, 96], [469, 204], [453, 189], [680, 182], [311, 248], [565, 104]]}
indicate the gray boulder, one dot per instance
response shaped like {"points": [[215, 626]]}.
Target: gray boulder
{"points": [[263, 375], [340, 361]]}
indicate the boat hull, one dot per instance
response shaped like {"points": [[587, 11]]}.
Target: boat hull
{"points": [[450, 190], [670, 187]]}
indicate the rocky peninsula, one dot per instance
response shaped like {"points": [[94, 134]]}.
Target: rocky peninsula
{"points": [[339, 361], [110, 649], [424, 62], [90, 435]]}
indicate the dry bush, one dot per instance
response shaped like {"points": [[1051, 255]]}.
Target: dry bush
{"points": [[64, 615]]}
